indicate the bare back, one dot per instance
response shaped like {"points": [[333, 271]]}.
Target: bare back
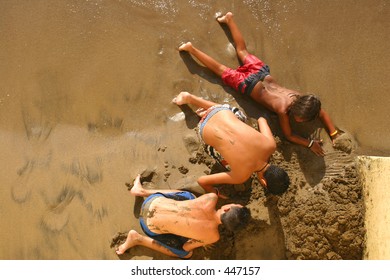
{"points": [[273, 96], [242, 146], [193, 219]]}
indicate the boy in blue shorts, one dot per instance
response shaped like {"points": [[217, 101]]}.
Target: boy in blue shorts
{"points": [[176, 222]]}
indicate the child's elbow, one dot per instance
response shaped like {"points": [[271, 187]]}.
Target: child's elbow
{"points": [[239, 179], [201, 181], [272, 145], [289, 137]]}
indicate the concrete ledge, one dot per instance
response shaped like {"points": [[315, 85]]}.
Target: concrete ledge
{"points": [[374, 174]]}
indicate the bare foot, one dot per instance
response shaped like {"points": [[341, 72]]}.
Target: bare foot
{"points": [[185, 47], [132, 240], [181, 99], [225, 18], [137, 189]]}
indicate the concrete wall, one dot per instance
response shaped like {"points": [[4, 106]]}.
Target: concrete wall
{"points": [[375, 176]]}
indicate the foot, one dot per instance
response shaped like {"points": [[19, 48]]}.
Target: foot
{"points": [[131, 241], [182, 98], [226, 18], [185, 47], [137, 189]]}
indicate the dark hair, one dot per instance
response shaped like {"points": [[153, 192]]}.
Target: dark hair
{"points": [[235, 218], [306, 107], [277, 179]]}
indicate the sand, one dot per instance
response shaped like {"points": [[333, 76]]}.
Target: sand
{"points": [[320, 217], [85, 105]]}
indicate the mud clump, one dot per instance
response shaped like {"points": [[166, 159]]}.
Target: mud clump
{"points": [[325, 221]]}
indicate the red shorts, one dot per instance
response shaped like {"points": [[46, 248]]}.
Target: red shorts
{"points": [[234, 78]]}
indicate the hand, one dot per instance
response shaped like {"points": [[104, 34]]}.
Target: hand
{"points": [[218, 193], [265, 115], [209, 247], [334, 138], [222, 196], [317, 148]]}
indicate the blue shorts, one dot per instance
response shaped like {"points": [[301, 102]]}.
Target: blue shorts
{"points": [[172, 242]]}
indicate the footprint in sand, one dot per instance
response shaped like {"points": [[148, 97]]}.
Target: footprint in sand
{"points": [[86, 176], [57, 216], [38, 128], [118, 239], [89, 171], [21, 190]]}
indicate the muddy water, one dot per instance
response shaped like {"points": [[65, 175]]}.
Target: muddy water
{"points": [[85, 100]]}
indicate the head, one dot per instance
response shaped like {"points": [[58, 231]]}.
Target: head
{"points": [[275, 179], [305, 108], [234, 216]]}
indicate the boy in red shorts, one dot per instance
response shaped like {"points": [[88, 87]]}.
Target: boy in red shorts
{"points": [[253, 79]]}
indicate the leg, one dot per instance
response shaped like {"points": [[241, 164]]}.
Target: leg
{"points": [[239, 42], [136, 239], [138, 190], [205, 59], [188, 98]]}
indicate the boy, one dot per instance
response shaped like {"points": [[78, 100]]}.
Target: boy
{"points": [[239, 147], [253, 79], [176, 222]]}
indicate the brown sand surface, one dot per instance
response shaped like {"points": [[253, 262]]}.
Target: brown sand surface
{"points": [[85, 105]]}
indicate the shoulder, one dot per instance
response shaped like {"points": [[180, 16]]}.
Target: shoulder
{"points": [[240, 172], [207, 199], [212, 237]]}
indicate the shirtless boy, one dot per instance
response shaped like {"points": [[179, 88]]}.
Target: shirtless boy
{"points": [[181, 220], [253, 79], [242, 149]]}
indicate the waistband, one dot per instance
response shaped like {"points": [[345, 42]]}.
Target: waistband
{"points": [[250, 82], [145, 206], [209, 114]]}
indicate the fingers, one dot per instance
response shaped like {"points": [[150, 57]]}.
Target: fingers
{"points": [[223, 196], [317, 149]]}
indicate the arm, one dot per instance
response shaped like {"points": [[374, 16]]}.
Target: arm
{"points": [[191, 244], [286, 128], [266, 130], [325, 118], [207, 182]]}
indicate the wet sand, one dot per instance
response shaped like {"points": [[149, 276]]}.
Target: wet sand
{"points": [[85, 105]]}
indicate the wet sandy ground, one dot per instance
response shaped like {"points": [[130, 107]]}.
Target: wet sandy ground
{"points": [[85, 106]]}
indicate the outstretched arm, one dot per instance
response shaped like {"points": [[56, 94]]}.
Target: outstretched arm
{"points": [[313, 145], [325, 118]]}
